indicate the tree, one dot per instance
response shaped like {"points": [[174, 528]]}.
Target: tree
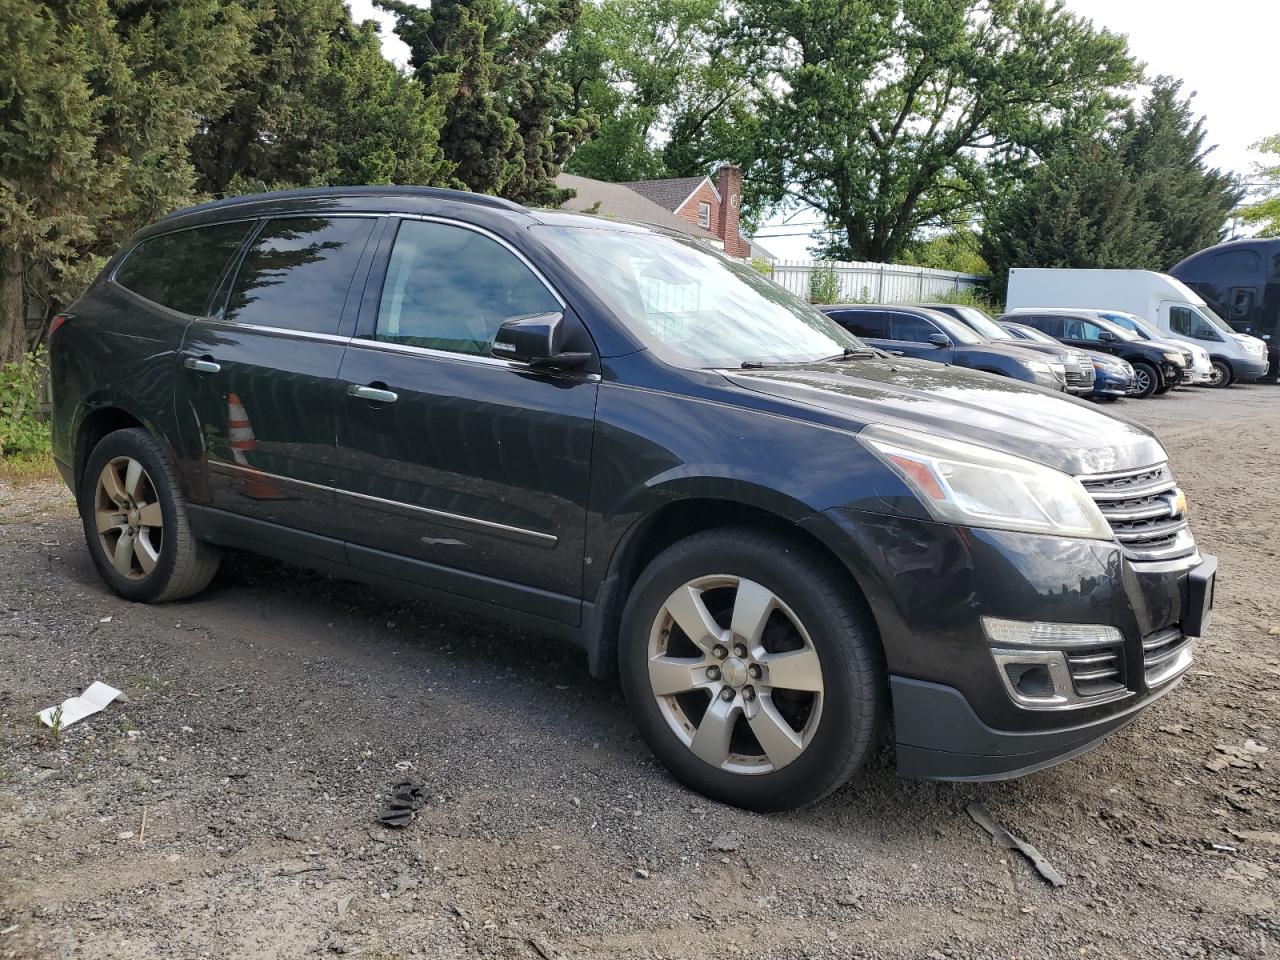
{"points": [[316, 103], [664, 77], [1186, 202], [97, 103], [891, 115], [1264, 212], [1082, 208], [509, 121]]}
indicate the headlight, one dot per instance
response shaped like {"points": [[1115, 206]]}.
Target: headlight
{"points": [[975, 486], [1175, 358], [1037, 366]]}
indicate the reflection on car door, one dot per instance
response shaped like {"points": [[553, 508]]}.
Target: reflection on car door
{"points": [[910, 335], [259, 379], [465, 473]]}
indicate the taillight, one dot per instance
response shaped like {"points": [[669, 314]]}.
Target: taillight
{"points": [[56, 323]]}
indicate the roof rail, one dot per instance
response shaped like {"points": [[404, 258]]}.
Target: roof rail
{"points": [[305, 193]]}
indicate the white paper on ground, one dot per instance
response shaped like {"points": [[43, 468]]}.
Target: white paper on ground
{"points": [[95, 698]]}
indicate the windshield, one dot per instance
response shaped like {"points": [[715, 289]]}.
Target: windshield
{"points": [[1132, 324], [1214, 319], [983, 324], [956, 330], [692, 306], [1120, 332]]}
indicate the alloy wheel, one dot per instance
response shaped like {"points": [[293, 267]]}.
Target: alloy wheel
{"points": [[735, 674], [128, 518], [1141, 381]]}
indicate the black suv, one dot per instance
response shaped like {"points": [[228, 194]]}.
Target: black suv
{"points": [[929, 335], [1156, 368], [776, 536]]}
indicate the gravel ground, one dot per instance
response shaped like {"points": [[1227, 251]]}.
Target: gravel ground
{"points": [[227, 808]]}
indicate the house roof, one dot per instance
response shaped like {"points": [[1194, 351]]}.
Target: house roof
{"points": [[669, 194], [621, 201]]}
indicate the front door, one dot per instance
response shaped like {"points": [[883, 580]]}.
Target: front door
{"points": [[259, 378], [458, 470]]}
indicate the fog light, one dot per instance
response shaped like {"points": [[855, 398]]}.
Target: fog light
{"points": [[1036, 633], [1035, 679]]}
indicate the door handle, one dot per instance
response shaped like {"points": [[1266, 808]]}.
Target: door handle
{"points": [[201, 366], [372, 394]]}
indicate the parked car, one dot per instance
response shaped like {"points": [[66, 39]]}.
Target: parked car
{"points": [[1156, 368], [1240, 280], [1199, 368], [776, 536], [1076, 364], [929, 335], [1113, 377], [1168, 305]]}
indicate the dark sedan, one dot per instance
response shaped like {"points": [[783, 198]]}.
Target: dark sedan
{"points": [[1079, 369], [930, 335], [1113, 377]]}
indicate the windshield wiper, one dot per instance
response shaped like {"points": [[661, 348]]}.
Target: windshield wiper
{"points": [[851, 353]]}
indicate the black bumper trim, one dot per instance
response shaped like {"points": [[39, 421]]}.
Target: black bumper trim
{"points": [[939, 737]]}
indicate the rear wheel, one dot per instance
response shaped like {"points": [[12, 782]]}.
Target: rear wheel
{"points": [[752, 672], [135, 521], [1222, 375], [1146, 380]]}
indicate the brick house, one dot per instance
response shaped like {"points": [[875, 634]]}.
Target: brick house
{"points": [[693, 205]]}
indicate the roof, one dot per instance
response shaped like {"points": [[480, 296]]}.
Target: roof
{"points": [[322, 193], [621, 201], [668, 194]]}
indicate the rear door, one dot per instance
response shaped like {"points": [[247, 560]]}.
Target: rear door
{"points": [[869, 326], [458, 470], [258, 384]]}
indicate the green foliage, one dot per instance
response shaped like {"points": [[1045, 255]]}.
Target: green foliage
{"points": [[316, 103], [1185, 202], [22, 432], [1139, 198], [973, 297], [957, 250], [887, 116], [1264, 212], [664, 78], [824, 284], [761, 265], [509, 120], [1083, 208]]}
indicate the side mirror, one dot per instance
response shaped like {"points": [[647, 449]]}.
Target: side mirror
{"points": [[536, 340], [1106, 336], [939, 339]]}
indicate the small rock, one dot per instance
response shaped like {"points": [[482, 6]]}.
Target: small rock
{"points": [[642, 873], [124, 835]]}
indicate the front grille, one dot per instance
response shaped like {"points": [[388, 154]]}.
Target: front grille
{"points": [[1144, 510], [1096, 671], [1165, 654], [1079, 377]]}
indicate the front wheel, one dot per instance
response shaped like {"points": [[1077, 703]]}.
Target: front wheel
{"points": [[1221, 376], [753, 670], [135, 521], [1146, 380]]}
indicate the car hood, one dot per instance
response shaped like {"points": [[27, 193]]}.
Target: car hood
{"points": [[1030, 346], [1067, 434]]}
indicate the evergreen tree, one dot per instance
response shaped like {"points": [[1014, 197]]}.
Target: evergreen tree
{"points": [[1186, 202], [97, 102], [316, 103], [1082, 208], [509, 119]]}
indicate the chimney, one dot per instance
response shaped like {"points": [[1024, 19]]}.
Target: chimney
{"points": [[729, 183]]}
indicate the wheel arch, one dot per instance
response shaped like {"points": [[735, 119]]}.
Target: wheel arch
{"points": [[673, 521], [95, 421]]}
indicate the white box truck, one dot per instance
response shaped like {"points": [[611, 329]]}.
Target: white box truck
{"points": [[1165, 303]]}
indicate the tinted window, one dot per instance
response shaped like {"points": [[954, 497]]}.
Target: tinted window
{"points": [[449, 288], [907, 326], [298, 271], [1050, 325], [1240, 266], [178, 270], [864, 323]]}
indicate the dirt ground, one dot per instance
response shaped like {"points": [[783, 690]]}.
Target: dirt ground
{"points": [[267, 718]]}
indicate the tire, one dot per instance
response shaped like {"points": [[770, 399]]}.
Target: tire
{"points": [[831, 732], [1223, 375], [161, 559], [1146, 379]]}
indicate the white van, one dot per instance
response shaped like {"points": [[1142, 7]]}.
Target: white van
{"points": [[1166, 304]]}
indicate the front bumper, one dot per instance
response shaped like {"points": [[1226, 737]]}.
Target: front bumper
{"points": [[930, 586], [1253, 367]]}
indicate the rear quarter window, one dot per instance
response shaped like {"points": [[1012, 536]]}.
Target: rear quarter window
{"points": [[179, 270]]}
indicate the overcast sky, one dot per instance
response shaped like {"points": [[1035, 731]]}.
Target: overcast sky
{"points": [[1225, 51]]}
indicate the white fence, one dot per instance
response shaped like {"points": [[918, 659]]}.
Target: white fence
{"points": [[876, 282]]}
